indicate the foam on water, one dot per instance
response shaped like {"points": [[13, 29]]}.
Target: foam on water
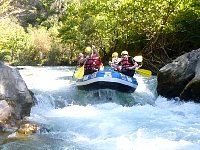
{"points": [[114, 127]]}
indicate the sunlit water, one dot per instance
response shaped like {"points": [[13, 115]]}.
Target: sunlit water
{"points": [[105, 119]]}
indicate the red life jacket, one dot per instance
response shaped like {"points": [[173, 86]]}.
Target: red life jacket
{"points": [[93, 63], [126, 63]]}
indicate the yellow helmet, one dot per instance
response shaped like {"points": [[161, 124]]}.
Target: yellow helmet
{"points": [[88, 49], [124, 53], [115, 54]]}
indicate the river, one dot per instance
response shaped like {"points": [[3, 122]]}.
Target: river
{"points": [[105, 119]]}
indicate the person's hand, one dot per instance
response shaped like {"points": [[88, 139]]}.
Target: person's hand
{"points": [[119, 67], [87, 56], [130, 68]]}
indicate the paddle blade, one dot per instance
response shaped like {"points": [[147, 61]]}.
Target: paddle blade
{"points": [[144, 72], [138, 58], [79, 73]]}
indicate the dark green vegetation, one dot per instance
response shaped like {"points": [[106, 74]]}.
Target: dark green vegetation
{"points": [[53, 32]]}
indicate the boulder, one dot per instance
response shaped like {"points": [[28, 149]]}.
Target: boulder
{"points": [[192, 89], [15, 98], [181, 78]]}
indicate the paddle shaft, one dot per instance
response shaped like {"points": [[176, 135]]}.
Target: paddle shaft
{"points": [[75, 69]]}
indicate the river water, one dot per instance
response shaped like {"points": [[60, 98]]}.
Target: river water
{"points": [[105, 119]]}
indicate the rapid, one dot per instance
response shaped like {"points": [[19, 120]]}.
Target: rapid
{"points": [[105, 119]]}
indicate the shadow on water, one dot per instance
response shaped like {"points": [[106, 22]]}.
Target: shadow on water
{"points": [[60, 100], [104, 96], [73, 96]]}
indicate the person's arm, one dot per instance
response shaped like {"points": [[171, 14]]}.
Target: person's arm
{"points": [[82, 60], [118, 66], [95, 51], [135, 64]]}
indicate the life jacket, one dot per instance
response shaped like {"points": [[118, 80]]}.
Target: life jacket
{"points": [[93, 63], [125, 63]]}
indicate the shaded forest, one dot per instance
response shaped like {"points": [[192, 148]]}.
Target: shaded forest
{"points": [[53, 32]]}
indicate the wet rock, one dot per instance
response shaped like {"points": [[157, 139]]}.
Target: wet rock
{"points": [[181, 78], [191, 90], [24, 131], [15, 98], [5, 111]]}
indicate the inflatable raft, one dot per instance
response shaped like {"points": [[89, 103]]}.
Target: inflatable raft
{"points": [[107, 79]]}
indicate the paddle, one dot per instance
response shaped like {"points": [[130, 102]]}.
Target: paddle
{"points": [[138, 58], [80, 72], [74, 71], [144, 72]]}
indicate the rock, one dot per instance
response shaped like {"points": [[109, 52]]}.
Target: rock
{"points": [[15, 97], [191, 90], [181, 78], [5, 111], [24, 130]]}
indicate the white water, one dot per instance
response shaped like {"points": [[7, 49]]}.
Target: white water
{"points": [[101, 120]]}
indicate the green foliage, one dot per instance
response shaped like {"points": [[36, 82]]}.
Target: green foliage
{"points": [[47, 3], [181, 30], [4, 6], [132, 25], [26, 48], [12, 40]]}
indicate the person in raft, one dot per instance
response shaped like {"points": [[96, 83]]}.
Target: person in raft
{"points": [[80, 59], [91, 61], [115, 60], [127, 65]]}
